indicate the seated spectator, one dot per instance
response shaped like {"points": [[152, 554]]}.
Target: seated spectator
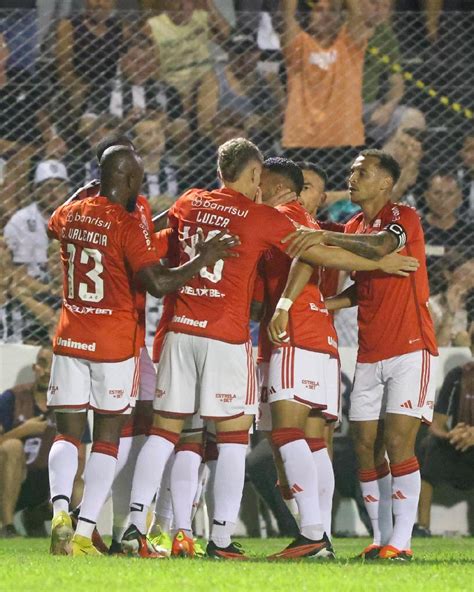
{"points": [[27, 432], [450, 287], [88, 49], [465, 173], [324, 56], [247, 94], [383, 111], [181, 36], [25, 232], [448, 452], [25, 128], [161, 183], [445, 231]]}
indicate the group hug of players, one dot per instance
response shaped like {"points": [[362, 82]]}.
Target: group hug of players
{"points": [[250, 248]]}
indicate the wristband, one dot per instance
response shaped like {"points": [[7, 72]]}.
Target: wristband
{"points": [[284, 304]]}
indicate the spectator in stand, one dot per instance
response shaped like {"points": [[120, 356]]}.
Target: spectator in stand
{"points": [[25, 129], [88, 49], [445, 231], [383, 112], [465, 173], [27, 431], [137, 89], [448, 452], [324, 56], [247, 94], [450, 287], [406, 146], [161, 182], [25, 232], [181, 35]]}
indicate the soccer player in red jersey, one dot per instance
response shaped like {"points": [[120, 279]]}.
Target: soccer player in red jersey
{"points": [[394, 387], [206, 364], [104, 250]]}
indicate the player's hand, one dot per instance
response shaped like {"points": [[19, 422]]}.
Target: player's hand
{"points": [[218, 247], [461, 437], [282, 197], [401, 265], [277, 327], [303, 239], [35, 426]]}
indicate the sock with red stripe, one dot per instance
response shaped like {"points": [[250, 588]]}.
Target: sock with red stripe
{"points": [[376, 486], [228, 485], [163, 507], [127, 457], [151, 463], [184, 483], [302, 478], [406, 485], [98, 478], [62, 466], [325, 472]]}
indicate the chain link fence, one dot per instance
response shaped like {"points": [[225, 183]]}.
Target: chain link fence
{"points": [[311, 85]]}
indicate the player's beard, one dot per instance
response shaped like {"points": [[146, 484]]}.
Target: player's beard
{"points": [[131, 204]]}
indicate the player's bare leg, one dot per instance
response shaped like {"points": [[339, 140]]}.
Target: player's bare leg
{"points": [[183, 486], [315, 432], [232, 441], [151, 463], [98, 478], [289, 421], [400, 436], [375, 481], [62, 465]]}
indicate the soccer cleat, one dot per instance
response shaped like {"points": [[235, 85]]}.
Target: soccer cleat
{"points": [[61, 534], [162, 543], [233, 551], [183, 545], [421, 531], [303, 547], [138, 544], [82, 546], [97, 540], [389, 552], [369, 553], [115, 548]]}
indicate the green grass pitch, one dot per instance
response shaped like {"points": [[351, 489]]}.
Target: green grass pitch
{"points": [[440, 564]]}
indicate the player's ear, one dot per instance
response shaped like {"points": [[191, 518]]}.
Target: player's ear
{"points": [[324, 197]]}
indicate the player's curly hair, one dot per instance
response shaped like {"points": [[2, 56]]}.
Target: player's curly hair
{"points": [[287, 169], [234, 155]]}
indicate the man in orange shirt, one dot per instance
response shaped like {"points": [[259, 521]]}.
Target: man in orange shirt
{"points": [[324, 58], [104, 250], [394, 385]]}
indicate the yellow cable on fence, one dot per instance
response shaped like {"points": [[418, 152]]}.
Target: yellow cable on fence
{"points": [[429, 90]]}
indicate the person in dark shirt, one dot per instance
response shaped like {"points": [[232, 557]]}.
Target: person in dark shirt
{"points": [[448, 452], [27, 432]]}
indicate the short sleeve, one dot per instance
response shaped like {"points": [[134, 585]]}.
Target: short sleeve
{"points": [[53, 224], [451, 383], [139, 248], [404, 224]]}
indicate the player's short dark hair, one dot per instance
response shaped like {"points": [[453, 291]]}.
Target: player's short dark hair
{"points": [[386, 162], [317, 170], [118, 139], [288, 169], [234, 155]]}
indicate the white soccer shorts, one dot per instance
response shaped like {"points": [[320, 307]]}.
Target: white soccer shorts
{"points": [[404, 385], [206, 376], [147, 377], [300, 375], [105, 387]]}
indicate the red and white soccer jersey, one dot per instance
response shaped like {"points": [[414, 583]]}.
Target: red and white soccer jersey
{"points": [[215, 305], [298, 369], [396, 333], [102, 248]]}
